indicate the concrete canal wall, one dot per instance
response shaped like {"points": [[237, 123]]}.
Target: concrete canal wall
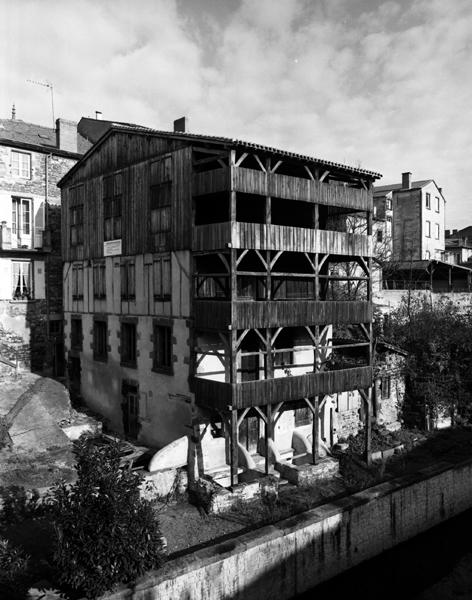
{"points": [[283, 560]]}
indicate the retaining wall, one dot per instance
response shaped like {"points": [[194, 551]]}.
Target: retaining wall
{"points": [[283, 560]]}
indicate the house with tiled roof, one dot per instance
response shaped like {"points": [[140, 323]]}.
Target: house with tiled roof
{"points": [[32, 160], [411, 216]]}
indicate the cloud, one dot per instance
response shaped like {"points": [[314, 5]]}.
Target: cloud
{"points": [[384, 84]]}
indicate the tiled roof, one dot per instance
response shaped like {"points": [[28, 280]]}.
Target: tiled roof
{"points": [[382, 189], [16, 130], [242, 144], [462, 233]]}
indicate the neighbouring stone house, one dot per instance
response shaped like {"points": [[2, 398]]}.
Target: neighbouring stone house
{"points": [[32, 160]]}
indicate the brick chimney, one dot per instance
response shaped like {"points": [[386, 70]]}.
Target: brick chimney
{"points": [[66, 135], [181, 125], [406, 180]]}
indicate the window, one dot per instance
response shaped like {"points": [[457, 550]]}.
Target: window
{"points": [[99, 281], [162, 340], [112, 201], [160, 202], [438, 204], [76, 337], [428, 229], [77, 225], [100, 336], [77, 282], [436, 230], [427, 255], [128, 344], [21, 164], [161, 276], [128, 284], [428, 200], [389, 219], [303, 416], [55, 327], [21, 217], [379, 235], [388, 204], [22, 282], [385, 386]]}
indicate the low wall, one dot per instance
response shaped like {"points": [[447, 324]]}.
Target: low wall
{"points": [[292, 556]]}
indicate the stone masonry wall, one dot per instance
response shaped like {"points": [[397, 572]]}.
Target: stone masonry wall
{"points": [[292, 556]]}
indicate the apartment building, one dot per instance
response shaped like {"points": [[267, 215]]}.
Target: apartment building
{"points": [[411, 219], [199, 293], [32, 160]]}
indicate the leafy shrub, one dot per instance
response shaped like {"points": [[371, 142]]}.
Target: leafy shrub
{"points": [[13, 571], [105, 532], [18, 505]]}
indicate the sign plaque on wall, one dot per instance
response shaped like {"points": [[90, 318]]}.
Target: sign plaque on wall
{"points": [[112, 248]]}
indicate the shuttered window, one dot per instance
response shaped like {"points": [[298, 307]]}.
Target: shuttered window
{"points": [[160, 202], [99, 281], [128, 281], [112, 206], [162, 341], [162, 278], [77, 282]]}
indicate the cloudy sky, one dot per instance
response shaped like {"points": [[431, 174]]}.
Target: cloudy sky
{"points": [[386, 85]]}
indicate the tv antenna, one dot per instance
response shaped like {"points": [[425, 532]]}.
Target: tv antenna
{"points": [[49, 85]]}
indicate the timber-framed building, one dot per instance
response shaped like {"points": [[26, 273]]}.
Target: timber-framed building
{"points": [[205, 295]]}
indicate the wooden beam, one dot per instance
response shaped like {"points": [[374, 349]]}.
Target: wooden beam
{"points": [[241, 337], [310, 174], [276, 258], [224, 260], [242, 415], [268, 435], [315, 449], [310, 261], [241, 256], [260, 163], [323, 177], [276, 166], [276, 334], [262, 259], [241, 159]]}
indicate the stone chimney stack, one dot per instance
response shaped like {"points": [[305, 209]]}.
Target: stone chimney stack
{"points": [[181, 125], [13, 112], [66, 135], [406, 180]]}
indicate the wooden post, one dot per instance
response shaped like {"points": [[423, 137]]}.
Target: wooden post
{"points": [[368, 425], [268, 435], [315, 446], [234, 447]]}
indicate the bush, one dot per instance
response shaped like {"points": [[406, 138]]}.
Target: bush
{"points": [[14, 573], [105, 532]]}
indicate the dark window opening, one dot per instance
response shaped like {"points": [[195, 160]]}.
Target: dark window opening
{"points": [[99, 281], [303, 416], [250, 208], [162, 359], [128, 344], [385, 386], [76, 337], [128, 281], [212, 208], [292, 213], [161, 198], [100, 338]]}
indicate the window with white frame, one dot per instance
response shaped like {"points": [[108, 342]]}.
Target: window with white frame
{"points": [[21, 164], [428, 229], [20, 216], [436, 231], [161, 277], [388, 205], [438, 204], [428, 200], [22, 280]]}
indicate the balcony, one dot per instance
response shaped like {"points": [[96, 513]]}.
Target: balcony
{"points": [[217, 314], [35, 239], [251, 181], [258, 236], [220, 396]]}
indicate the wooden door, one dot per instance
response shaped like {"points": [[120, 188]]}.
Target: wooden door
{"points": [[130, 407], [249, 433]]}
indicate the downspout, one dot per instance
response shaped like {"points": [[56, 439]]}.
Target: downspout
{"points": [[46, 258]]}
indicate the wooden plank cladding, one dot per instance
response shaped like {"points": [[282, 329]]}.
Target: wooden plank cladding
{"points": [[251, 181], [216, 314], [259, 236], [215, 394]]}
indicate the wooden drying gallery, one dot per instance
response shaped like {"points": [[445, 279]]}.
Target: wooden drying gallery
{"points": [[205, 294]]}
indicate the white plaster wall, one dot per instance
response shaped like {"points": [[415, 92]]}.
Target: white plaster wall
{"points": [[431, 244]]}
